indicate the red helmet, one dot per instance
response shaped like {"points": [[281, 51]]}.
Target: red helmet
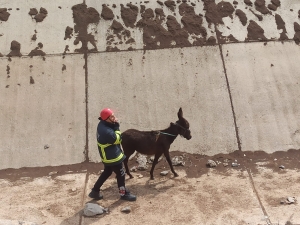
{"points": [[105, 113]]}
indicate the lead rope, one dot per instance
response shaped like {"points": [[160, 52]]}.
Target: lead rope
{"points": [[159, 132], [168, 134]]}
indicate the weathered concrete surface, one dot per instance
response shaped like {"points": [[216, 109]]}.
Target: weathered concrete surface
{"points": [[42, 117], [21, 26], [264, 84], [147, 89], [288, 11], [271, 24], [103, 29]]}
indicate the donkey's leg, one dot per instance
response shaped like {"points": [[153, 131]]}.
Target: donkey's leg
{"points": [[157, 155], [128, 153], [167, 155], [126, 166]]}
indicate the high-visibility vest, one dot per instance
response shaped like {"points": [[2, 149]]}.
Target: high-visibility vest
{"points": [[103, 146]]}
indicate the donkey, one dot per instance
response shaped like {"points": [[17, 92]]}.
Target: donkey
{"points": [[154, 142]]}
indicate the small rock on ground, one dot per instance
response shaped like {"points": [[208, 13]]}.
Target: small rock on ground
{"points": [[127, 209], [92, 209], [164, 173], [211, 163], [178, 161]]}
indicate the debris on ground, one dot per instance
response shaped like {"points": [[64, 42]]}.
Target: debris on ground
{"points": [[288, 200], [226, 162], [52, 173], [281, 167], [178, 161], [142, 161], [92, 209], [234, 164], [127, 209], [133, 169], [151, 159], [211, 163], [164, 173], [291, 200]]}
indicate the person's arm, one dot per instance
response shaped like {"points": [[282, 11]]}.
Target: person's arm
{"points": [[114, 136]]}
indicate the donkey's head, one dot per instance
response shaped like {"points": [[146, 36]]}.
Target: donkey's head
{"points": [[183, 126]]}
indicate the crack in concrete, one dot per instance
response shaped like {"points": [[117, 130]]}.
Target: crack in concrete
{"points": [[86, 151], [83, 196], [229, 92], [236, 128]]}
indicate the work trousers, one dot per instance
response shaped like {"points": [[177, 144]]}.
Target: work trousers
{"points": [[117, 169]]}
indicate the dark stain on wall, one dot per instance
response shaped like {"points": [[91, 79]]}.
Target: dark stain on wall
{"points": [[83, 16], [15, 48], [38, 16], [4, 15], [107, 13], [255, 32], [68, 32], [37, 51]]}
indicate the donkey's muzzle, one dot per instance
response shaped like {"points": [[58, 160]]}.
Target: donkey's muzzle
{"points": [[189, 137]]}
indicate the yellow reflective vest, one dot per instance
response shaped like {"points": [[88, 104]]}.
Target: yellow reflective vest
{"points": [[109, 140]]}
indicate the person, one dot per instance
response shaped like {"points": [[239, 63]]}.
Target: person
{"points": [[112, 156]]}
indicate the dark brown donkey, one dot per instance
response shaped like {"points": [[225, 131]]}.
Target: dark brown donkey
{"points": [[154, 142]]}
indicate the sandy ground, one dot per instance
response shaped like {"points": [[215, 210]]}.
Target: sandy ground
{"points": [[250, 193]]}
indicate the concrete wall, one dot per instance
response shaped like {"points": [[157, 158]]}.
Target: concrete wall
{"points": [[265, 81], [42, 111], [236, 91], [147, 89]]}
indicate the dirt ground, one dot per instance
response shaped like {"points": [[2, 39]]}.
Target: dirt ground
{"points": [[254, 192]]}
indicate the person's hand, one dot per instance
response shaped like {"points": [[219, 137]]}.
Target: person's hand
{"points": [[116, 126]]}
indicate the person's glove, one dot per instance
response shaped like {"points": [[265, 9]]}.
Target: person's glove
{"points": [[116, 126]]}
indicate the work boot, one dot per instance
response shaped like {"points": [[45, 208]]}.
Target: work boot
{"points": [[95, 195], [128, 197]]}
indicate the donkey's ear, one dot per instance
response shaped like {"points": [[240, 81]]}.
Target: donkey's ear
{"points": [[179, 114]]}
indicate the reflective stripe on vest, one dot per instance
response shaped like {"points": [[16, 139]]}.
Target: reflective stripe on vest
{"points": [[118, 140], [102, 147]]}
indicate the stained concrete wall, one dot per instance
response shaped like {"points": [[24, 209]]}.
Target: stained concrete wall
{"points": [[147, 89], [22, 27], [42, 111], [236, 91], [265, 81]]}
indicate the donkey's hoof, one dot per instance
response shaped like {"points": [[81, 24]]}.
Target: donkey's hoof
{"points": [[151, 178], [176, 175], [130, 177]]}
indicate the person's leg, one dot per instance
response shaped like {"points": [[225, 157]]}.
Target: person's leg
{"points": [[120, 172], [102, 178], [95, 193]]}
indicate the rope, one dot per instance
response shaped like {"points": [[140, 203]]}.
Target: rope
{"points": [[168, 134]]}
